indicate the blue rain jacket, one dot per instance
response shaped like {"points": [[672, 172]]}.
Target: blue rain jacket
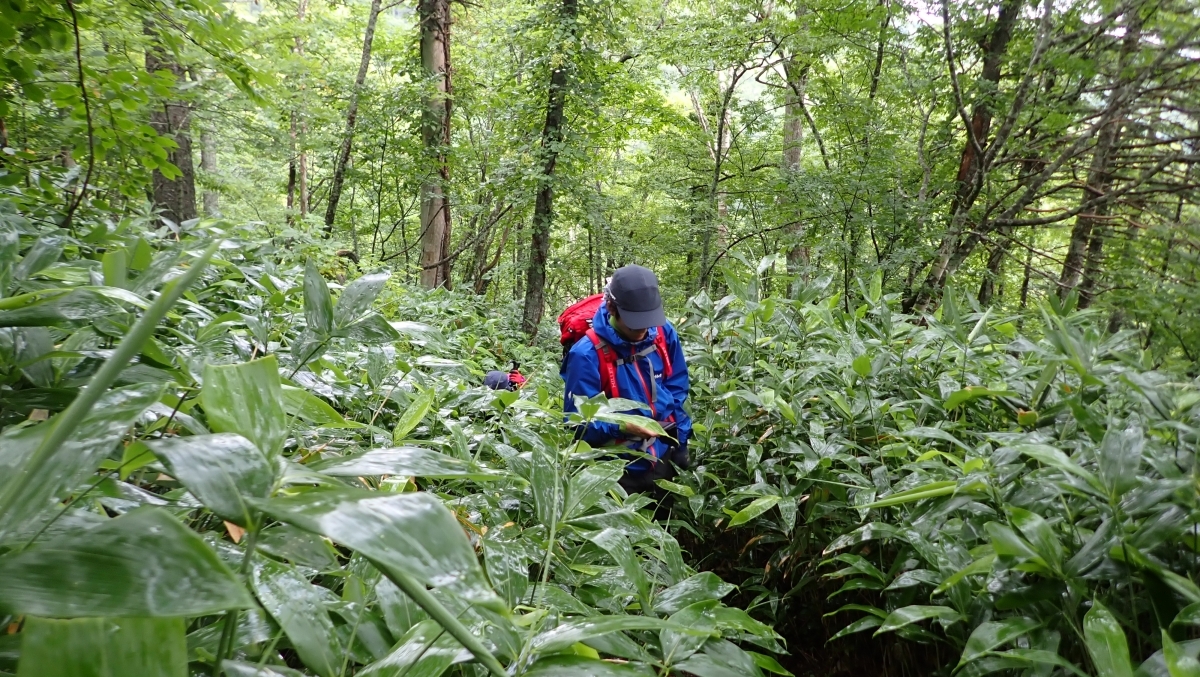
{"points": [[581, 374]]}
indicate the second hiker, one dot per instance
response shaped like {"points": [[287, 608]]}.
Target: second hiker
{"points": [[630, 351]]}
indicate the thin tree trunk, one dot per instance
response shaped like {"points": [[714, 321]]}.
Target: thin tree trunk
{"points": [[175, 197], [208, 163], [970, 164], [435, 132], [543, 210], [299, 129], [793, 153], [343, 157], [1090, 229], [995, 262]]}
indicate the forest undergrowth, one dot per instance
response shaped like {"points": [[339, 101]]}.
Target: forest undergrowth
{"points": [[221, 450]]}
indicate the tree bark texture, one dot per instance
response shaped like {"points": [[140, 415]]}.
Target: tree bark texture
{"points": [[176, 198], [1090, 229], [208, 163], [793, 154], [950, 253], [343, 156], [435, 132], [543, 210]]}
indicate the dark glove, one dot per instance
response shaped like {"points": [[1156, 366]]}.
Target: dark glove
{"points": [[680, 457]]}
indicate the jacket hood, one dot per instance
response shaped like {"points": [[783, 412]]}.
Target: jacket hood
{"points": [[606, 331]]}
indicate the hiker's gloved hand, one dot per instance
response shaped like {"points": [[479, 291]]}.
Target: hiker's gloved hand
{"points": [[634, 430], [680, 457]]}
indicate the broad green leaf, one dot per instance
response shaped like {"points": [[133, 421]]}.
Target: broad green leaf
{"points": [[1040, 534], [304, 405], [60, 306], [1189, 615], [676, 646], [992, 634], [588, 485], [318, 304], [916, 613], [299, 609], [221, 470], [931, 490], [32, 497], [633, 419], [1007, 543], [926, 433], [113, 263], [979, 566], [1048, 455], [865, 623], [372, 330], [426, 650], [700, 587], [720, 658], [240, 669], [867, 532], [757, 507], [960, 397], [1106, 643], [299, 547], [675, 488], [618, 547], [400, 612], [103, 647], [570, 632], [862, 366], [144, 563], [404, 461], [1179, 663], [411, 418], [1120, 456], [356, 298], [44, 252], [769, 664], [247, 399], [579, 666], [412, 532]]}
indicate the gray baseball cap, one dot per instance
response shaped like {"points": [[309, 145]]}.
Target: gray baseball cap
{"points": [[635, 290]]}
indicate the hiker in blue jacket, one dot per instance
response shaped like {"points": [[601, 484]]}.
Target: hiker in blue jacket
{"points": [[649, 368]]}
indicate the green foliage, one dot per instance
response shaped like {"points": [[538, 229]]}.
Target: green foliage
{"points": [[945, 516], [250, 498]]}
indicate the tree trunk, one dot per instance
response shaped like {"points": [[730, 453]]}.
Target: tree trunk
{"points": [[208, 163], [1087, 236], [299, 129], [343, 156], [793, 153], [176, 197], [435, 132], [995, 263], [981, 116], [969, 168], [543, 210]]}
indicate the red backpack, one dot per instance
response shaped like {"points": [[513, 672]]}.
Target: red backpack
{"points": [[575, 323]]}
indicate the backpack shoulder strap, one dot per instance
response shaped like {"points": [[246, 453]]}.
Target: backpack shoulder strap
{"points": [[664, 354], [608, 364]]}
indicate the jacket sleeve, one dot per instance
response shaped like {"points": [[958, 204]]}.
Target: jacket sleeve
{"points": [[678, 385], [582, 377]]}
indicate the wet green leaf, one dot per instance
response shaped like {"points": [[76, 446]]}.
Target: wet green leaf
{"points": [[404, 461], [103, 647], [144, 563], [220, 470], [299, 609], [318, 304], [412, 532], [1106, 643], [247, 399]]}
